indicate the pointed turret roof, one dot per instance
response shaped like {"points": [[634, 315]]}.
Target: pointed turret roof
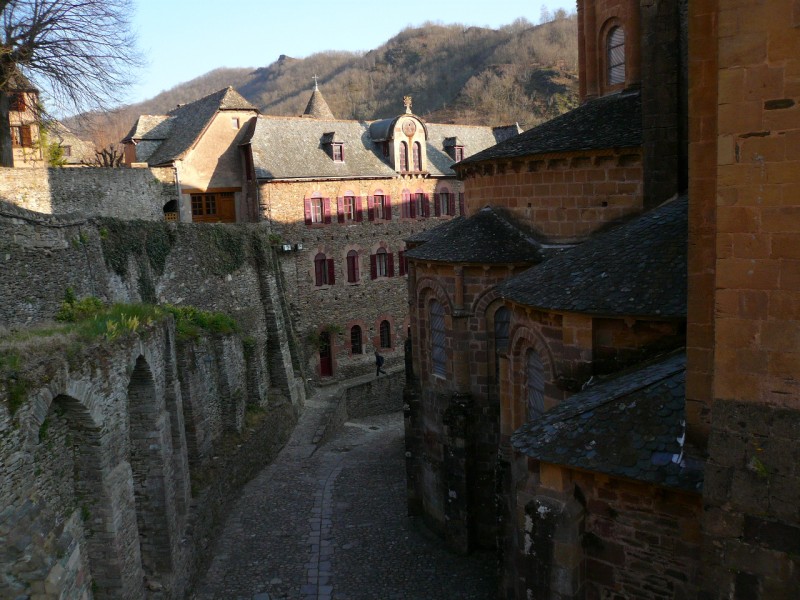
{"points": [[317, 108]]}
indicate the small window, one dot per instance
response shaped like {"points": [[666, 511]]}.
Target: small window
{"points": [[323, 270], [403, 156], [349, 208], [445, 204], [338, 152], [438, 352], [204, 204], [458, 153], [534, 385], [386, 334], [421, 205], [316, 210], [616, 56], [352, 267], [66, 151], [380, 206], [235, 122], [381, 263], [17, 102], [417, 156], [356, 345], [406, 206], [21, 136]]}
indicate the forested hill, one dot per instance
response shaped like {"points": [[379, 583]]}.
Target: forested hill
{"points": [[520, 73]]}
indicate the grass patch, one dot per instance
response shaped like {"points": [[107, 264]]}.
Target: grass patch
{"points": [[190, 322]]}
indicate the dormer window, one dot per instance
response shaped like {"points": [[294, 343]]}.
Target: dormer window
{"points": [[616, 56], [333, 146], [454, 148], [235, 122]]}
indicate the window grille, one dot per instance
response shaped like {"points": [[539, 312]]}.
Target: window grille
{"points": [[356, 345], [616, 56]]}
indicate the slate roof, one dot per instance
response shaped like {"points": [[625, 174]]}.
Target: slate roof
{"points": [[631, 426], [317, 108], [635, 269], [293, 147], [181, 127], [486, 237], [613, 121]]}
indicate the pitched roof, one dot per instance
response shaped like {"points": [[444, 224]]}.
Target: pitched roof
{"points": [[631, 426], [613, 121], [635, 269], [293, 147], [317, 108], [181, 127], [487, 237]]}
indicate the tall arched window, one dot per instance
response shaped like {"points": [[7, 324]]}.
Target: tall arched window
{"points": [[438, 340], [403, 156], [534, 385], [381, 263], [385, 334], [352, 266], [502, 318], [417, 156], [356, 345], [615, 55]]}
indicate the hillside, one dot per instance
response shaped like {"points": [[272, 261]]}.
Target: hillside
{"points": [[521, 72]]}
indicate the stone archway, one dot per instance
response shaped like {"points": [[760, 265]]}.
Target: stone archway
{"points": [[152, 466]]}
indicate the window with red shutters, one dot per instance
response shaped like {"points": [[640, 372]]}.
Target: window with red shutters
{"points": [[426, 205], [359, 211], [379, 204], [315, 211], [326, 208], [320, 269], [387, 207], [381, 263], [405, 205], [370, 208], [352, 267], [389, 264]]}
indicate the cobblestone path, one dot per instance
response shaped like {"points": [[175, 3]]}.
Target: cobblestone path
{"points": [[329, 522]]}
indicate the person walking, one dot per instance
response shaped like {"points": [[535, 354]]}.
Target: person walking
{"points": [[379, 360]]}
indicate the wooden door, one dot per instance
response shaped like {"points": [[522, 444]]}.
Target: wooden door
{"points": [[325, 355]]}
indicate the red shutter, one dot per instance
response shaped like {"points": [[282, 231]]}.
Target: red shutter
{"points": [[437, 205], [340, 209], [307, 208], [390, 265], [401, 258], [371, 208], [326, 210], [412, 209], [461, 209], [387, 207], [373, 266], [331, 272], [27, 138], [451, 205], [426, 206], [359, 214]]}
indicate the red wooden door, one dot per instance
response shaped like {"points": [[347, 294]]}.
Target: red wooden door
{"points": [[325, 355]]}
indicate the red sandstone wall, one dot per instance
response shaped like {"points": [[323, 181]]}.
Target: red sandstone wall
{"points": [[563, 197]]}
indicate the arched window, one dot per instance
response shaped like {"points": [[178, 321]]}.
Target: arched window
{"points": [[502, 318], [356, 346], [438, 353], [316, 210], [534, 384], [352, 266], [417, 156], [386, 334], [615, 54], [323, 270], [403, 156]]}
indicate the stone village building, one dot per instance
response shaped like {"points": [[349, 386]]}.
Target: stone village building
{"points": [[23, 117], [339, 197], [567, 405]]}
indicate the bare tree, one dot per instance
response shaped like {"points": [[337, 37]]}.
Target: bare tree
{"points": [[82, 51]]}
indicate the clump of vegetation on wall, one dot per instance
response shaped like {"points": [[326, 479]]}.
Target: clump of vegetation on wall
{"points": [[12, 380], [191, 321], [148, 243]]}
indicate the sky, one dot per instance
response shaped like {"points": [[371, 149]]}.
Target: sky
{"points": [[183, 39]]}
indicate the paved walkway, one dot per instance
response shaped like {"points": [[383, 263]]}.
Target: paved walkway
{"points": [[329, 523]]}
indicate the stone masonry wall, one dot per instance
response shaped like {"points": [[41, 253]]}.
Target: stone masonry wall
{"points": [[91, 191], [564, 197], [76, 519], [366, 302]]}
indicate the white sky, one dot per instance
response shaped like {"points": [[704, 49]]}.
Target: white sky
{"points": [[183, 39]]}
